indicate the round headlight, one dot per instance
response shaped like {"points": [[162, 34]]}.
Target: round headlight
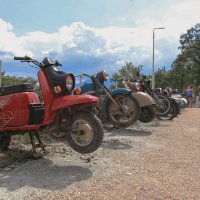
{"points": [[70, 82], [105, 75]]}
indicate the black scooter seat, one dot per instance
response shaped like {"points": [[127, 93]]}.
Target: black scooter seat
{"points": [[15, 89]]}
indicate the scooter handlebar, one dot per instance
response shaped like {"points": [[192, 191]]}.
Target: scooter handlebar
{"points": [[22, 58], [81, 75], [18, 58]]}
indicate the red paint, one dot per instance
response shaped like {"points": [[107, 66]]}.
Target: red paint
{"points": [[14, 111], [14, 108], [71, 100]]}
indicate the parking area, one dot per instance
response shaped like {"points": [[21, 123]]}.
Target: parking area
{"points": [[159, 160]]}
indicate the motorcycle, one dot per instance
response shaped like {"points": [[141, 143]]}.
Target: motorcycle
{"points": [[174, 111], [146, 102], [117, 107], [162, 102], [22, 112], [174, 105], [183, 101]]}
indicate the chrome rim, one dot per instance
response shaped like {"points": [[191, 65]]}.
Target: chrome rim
{"points": [[82, 132]]}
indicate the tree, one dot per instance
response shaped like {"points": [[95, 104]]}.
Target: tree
{"points": [[128, 70], [190, 54], [180, 70], [161, 78], [14, 80]]}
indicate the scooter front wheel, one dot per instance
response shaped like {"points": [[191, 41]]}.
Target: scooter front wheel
{"points": [[87, 133], [4, 142]]}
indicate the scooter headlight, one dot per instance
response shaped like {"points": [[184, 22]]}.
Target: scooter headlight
{"points": [[70, 82]]}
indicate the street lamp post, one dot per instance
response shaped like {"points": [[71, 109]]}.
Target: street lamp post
{"points": [[153, 71]]}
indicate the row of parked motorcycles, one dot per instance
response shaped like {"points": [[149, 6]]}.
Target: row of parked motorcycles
{"points": [[80, 113]]}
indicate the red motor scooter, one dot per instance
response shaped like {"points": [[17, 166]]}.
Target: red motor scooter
{"points": [[22, 112]]}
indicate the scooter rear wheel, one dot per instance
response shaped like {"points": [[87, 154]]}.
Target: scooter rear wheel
{"points": [[4, 142], [87, 133]]}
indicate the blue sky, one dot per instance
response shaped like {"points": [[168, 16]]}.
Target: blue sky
{"points": [[91, 35]]}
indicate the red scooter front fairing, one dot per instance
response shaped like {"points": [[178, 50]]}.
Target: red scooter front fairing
{"points": [[53, 103]]}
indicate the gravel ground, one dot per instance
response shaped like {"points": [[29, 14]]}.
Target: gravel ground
{"points": [[159, 160]]}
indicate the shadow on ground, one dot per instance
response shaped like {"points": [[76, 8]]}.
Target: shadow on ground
{"points": [[115, 145], [43, 174], [129, 132]]}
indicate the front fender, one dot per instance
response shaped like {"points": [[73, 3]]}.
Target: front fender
{"points": [[71, 100], [113, 93], [143, 99]]}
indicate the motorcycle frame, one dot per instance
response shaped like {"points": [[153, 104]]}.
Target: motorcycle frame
{"points": [[145, 87], [109, 95]]}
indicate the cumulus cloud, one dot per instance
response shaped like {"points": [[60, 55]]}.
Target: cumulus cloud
{"points": [[84, 48], [78, 45]]}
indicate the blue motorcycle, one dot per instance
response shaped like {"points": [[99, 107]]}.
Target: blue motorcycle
{"points": [[117, 107]]}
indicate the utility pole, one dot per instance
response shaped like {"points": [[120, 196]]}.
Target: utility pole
{"points": [[153, 70]]}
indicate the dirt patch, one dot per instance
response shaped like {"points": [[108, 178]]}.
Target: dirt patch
{"points": [[159, 160]]}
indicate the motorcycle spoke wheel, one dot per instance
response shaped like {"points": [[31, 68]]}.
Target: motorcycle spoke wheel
{"points": [[163, 106], [126, 113], [123, 112], [171, 114]]}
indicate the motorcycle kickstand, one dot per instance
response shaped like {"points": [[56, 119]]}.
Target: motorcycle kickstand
{"points": [[35, 146], [41, 144]]}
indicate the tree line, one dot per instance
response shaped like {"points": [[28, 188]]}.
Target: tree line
{"points": [[15, 80], [185, 68]]}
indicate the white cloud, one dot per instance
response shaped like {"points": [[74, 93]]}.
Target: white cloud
{"points": [[5, 26], [122, 19], [112, 46]]}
